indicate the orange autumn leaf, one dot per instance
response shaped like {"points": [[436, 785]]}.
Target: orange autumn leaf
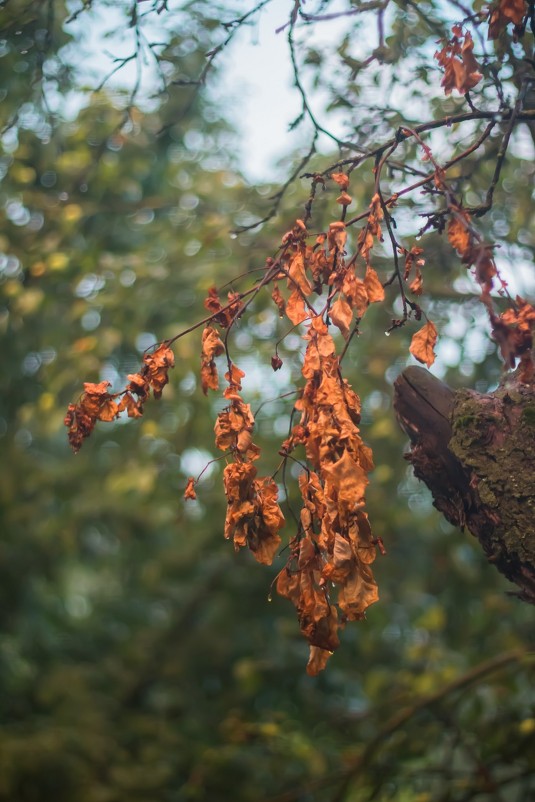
{"points": [[319, 332], [341, 179], [413, 258], [189, 492], [296, 235], [362, 541], [355, 291], [212, 302], [423, 343], [238, 480], [461, 70], [459, 234], [279, 300], [108, 411], [346, 481], [296, 274], [416, 285], [264, 539], [224, 316], [470, 65], [95, 391], [156, 367], [212, 346], [503, 12], [225, 437], [341, 315], [235, 376], [138, 384], [342, 561], [96, 403], [134, 409], [254, 517], [337, 236], [513, 331], [358, 593], [374, 288], [209, 377], [482, 259], [365, 242], [317, 660], [295, 308], [344, 199], [241, 416]]}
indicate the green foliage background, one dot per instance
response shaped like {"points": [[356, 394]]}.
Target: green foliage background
{"points": [[139, 657]]}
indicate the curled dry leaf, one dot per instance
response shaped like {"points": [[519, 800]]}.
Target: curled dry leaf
{"points": [[297, 278], [341, 315], [503, 12], [413, 258], [212, 346], [459, 233], [276, 362], [461, 70], [355, 291], [156, 367], [423, 343], [513, 331], [372, 230], [472, 251], [295, 308], [134, 409], [224, 315], [337, 236], [279, 300], [189, 492], [344, 199], [139, 385], [317, 660], [254, 517], [95, 403], [416, 285], [374, 288], [341, 179]]}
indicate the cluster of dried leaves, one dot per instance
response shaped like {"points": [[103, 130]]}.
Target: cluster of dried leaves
{"points": [[461, 70], [513, 328], [96, 403], [504, 12], [324, 287], [327, 575]]}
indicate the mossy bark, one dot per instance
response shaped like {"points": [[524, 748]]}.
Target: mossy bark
{"points": [[476, 453]]}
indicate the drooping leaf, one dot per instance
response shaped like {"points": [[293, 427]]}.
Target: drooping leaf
{"points": [[341, 315], [295, 308], [423, 343], [189, 492], [374, 288]]}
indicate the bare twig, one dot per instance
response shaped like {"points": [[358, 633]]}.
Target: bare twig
{"points": [[515, 658]]}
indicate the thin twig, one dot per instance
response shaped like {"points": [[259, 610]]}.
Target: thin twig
{"points": [[400, 719]]}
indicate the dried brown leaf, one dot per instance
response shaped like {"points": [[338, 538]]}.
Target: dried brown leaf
{"points": [[423, 343]]}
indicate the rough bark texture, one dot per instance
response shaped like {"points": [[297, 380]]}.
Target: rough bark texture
{"points": [[476, 453]]}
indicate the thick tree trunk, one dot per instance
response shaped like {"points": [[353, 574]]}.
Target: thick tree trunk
{"points": [[476, 453]]}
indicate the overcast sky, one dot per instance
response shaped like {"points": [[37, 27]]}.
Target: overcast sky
{"points": [[255, 72]]}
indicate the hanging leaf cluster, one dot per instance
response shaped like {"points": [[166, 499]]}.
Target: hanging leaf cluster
{"points": [[323, 282]]}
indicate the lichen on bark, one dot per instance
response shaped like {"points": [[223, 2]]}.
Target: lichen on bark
{"points": [[476, 453], [494, 437]]}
